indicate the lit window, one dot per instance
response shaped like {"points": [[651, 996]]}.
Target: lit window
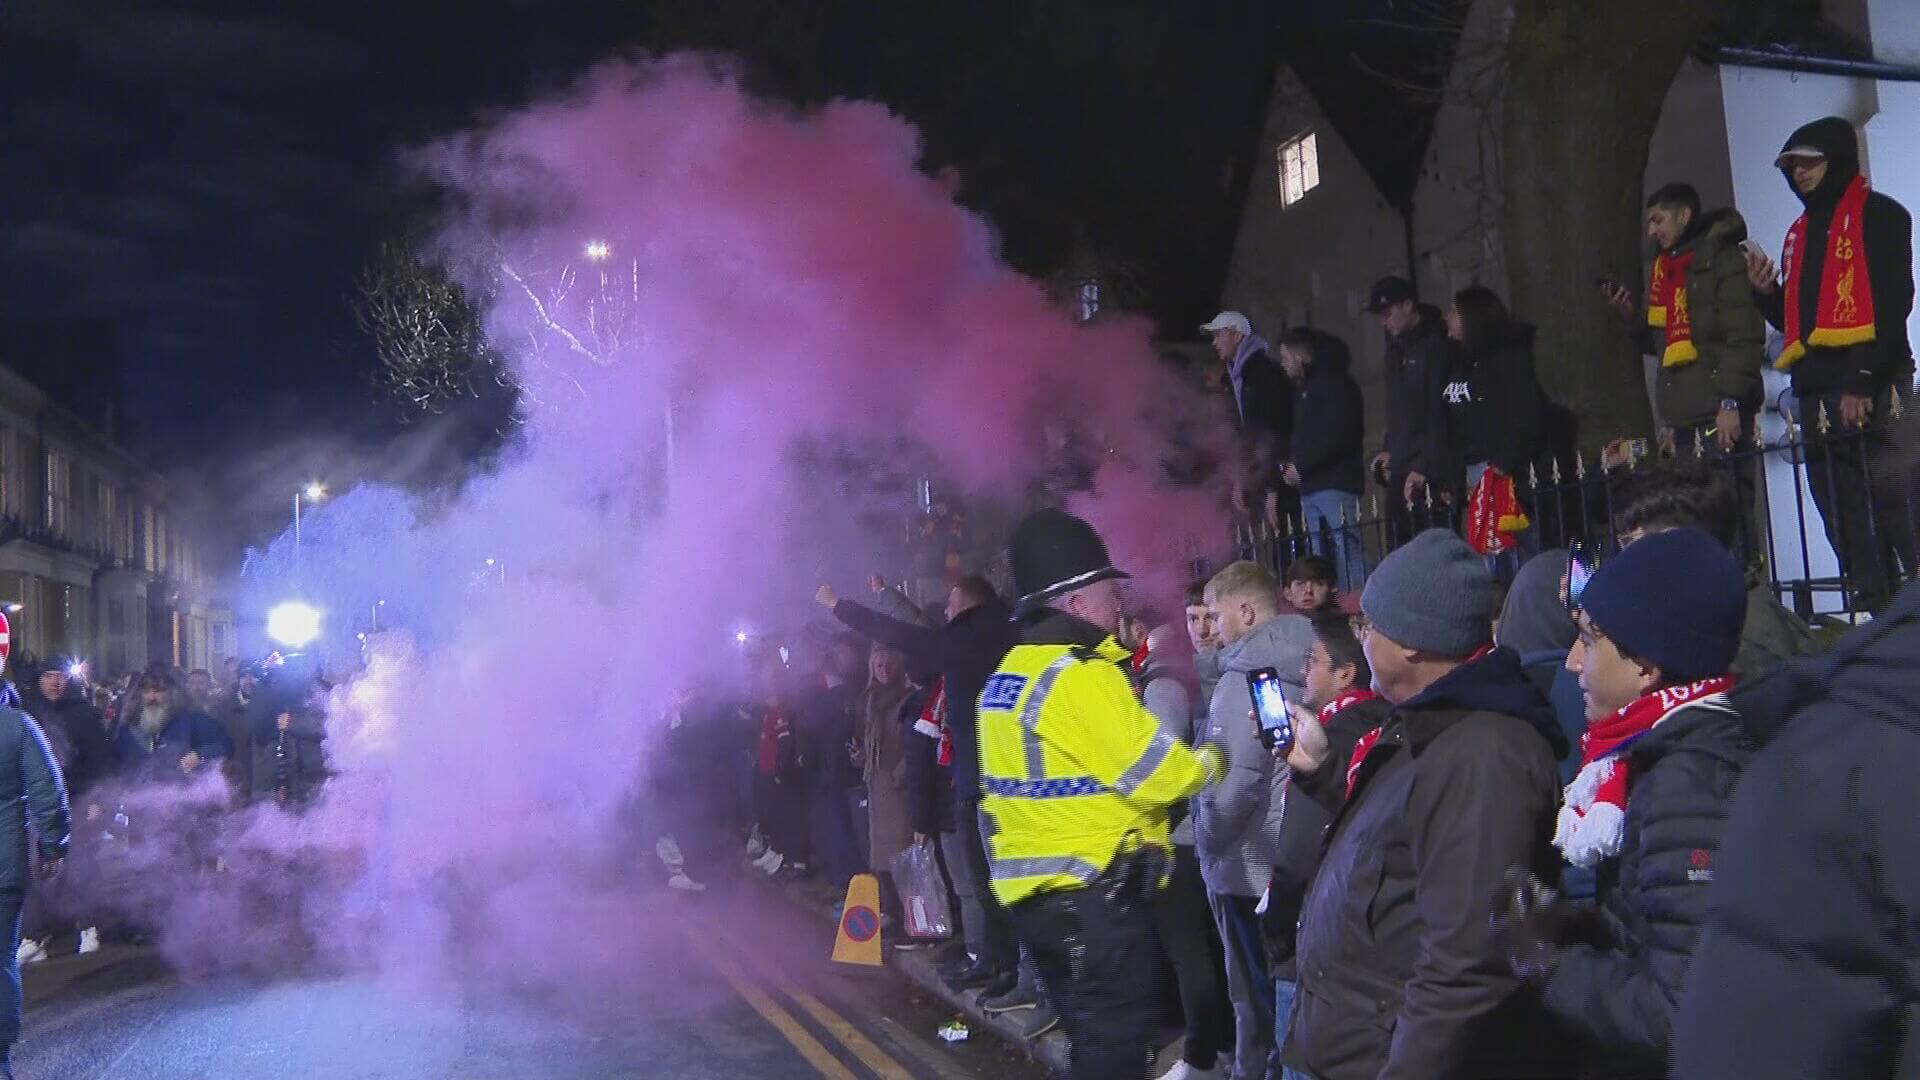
{"points": [[1299, 168]]}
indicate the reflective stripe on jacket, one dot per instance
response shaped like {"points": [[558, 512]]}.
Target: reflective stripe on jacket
{"points": [[1073, 767]]}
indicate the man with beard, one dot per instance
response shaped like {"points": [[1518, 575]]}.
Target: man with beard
{"points": [[164, 737]]}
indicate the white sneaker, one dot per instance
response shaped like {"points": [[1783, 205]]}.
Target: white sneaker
{"points": [[684, 883], [768, 862], [756, 846], [1183, 1071], [89, 940], [31, 951], [773, 867]]}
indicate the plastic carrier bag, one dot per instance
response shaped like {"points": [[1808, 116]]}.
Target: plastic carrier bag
{"points": [[923, 892]]}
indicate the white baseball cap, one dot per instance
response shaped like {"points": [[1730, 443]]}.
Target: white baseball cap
{"points": [[1229, 320]]}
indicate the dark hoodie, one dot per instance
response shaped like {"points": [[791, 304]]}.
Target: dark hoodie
{"points": [[1417, 369], [1535, 623], [1867, 368], [1818, 876], [1496, 409], [1329, 421], [965, 652], [1400, 975]]}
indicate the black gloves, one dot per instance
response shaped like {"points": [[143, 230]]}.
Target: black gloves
{"points": [[1528, 918]]}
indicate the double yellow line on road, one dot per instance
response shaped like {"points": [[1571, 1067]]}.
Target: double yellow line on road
{"points": [[823, 1060]]}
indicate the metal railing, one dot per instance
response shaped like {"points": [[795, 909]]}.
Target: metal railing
{"points": [[1787, 487]]}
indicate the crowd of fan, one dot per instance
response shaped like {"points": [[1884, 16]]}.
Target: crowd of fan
{"points": [[261, 727]]}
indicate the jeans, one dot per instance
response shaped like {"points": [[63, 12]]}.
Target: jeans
{"points": [[1333, 529], [973, 912], [1248, 985], [1283, 992], [1096, 958], [1001, 945], [833, 837], [1186, 930], [11, 901]]}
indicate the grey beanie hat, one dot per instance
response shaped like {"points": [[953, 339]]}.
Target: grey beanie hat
{"points": [[1433, 594]]}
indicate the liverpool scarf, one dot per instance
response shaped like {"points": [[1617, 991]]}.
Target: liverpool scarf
{"points": [[1669, 307], [1594, 817], [932, 721], [1843, 314], [1494, 514]]}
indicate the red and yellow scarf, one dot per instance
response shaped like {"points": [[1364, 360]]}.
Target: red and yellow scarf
{"points": [[1668, 306], [1844, 314], [1494, 514], [1594, 817]]}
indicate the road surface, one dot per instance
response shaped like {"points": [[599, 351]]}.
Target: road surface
{"points": [[746, 991]]}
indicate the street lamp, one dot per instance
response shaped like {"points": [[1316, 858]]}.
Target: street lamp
{"points": [[294, 624], [312, 493], [599, 250]]}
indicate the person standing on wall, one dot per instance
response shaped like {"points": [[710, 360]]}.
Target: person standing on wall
{"points": [[1841, 296]]}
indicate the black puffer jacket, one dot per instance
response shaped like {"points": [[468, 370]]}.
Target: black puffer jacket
{"points": [[1887, 228], [1418, 364], [1400, 976], [1311, 803], [965, 652], [1329, 421], [1618, 989], [1809, 964]]}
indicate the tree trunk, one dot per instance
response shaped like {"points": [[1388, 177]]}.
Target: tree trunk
{"points": [[1585, 87]]}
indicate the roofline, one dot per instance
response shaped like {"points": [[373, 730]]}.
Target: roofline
{"points": [[1805, 64]]}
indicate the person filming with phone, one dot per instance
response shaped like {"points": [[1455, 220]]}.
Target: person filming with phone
{"points": [[1700, 321], [1659, 626], [1237, 821], [1401, 976], [1335, 708]]}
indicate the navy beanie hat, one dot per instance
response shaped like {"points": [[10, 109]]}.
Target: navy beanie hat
{"points": [[1676, 599]]}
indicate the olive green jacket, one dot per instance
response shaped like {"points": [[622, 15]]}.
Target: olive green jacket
{"points": [[1728, 329]]}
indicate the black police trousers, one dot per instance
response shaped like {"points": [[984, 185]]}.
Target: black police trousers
{"points": [[1095, 956]]}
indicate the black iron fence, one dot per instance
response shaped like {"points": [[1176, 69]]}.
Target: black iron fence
{"points": [[1827, 516]]}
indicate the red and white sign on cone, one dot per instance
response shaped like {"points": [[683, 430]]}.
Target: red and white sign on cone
{"points": [[6, 639]]}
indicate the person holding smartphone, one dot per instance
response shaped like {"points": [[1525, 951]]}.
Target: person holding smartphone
{"points": [[1237, 821], [1335, 708], [1400, 976]]}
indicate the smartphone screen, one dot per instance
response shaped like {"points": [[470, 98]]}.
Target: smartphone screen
{"points": [[1580, 569], [1270, 704]]}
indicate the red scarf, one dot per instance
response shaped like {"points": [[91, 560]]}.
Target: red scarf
{"points": [[1371, 739], [1594, 817], [773, 728], [1494, 514], [1844, 314], [1340, 704], [933, 720], [1668, 306]]}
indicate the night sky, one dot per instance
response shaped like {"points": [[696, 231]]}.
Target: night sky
{"points": [[198, 183]]}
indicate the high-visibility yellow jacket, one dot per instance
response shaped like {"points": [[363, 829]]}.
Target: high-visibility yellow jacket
{"points": [[1073, 768]]}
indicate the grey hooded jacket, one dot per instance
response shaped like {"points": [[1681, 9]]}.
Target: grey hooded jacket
{"points": [[1237, 821]]}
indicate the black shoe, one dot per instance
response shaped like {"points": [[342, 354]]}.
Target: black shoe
{"points": [[1001, 985], [1014, 1000], [975, 973], [1042, 1020], [950, 963]]}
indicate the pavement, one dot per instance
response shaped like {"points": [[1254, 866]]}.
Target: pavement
{"points": [[741, 987], [1049, 1050]]}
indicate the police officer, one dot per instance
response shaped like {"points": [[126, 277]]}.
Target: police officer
{"points": [[28, 774], [1077, 778]]}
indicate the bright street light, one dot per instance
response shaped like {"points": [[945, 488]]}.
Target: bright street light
{"points": [[315, 491], [599, 250], [294, 624], [740, 637], [15, 609]]}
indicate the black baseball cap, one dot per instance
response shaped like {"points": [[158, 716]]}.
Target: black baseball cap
{"points": [[1387, 292]]}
